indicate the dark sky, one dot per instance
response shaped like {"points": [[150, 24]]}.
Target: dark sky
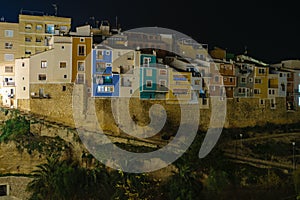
{"points": [[270, 30]]}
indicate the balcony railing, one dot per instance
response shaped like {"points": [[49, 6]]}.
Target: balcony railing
{"points": [[8, 83]]}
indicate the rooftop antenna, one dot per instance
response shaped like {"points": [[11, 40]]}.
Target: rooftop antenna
{"points": [[116, 22], [246, 51], [55, 8]]}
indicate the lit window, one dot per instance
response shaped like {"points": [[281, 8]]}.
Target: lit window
{"points": [[39, 27], [9, 33], [43, 64], [8, 57], [50, 28]]}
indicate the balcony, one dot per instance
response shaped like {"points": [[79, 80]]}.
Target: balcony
{"points": [[8, 83]]}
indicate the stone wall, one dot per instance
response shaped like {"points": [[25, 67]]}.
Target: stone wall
{"points": [[56, 108], [17, 186], [242, 112], [14, 161]]}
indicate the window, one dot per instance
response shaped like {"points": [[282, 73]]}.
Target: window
{"points": [[108, 79], [27, 39], [42, 77], [280, 74], [9, 33], [43, 64], [23, 64], [8, 57], [262, 102], [23, 78], [62, 47], [64, 28], [50, 28], [80, 66], [80, 78], [27, 52], [282, 85], [39, 27], [256, 91], [8, 69], [273, 104], [107, 53], [261, 70], [148, 72], [162, 72], [82, 39], [38, 39], [258, 81], [99, 55], [81, 50], [101, 89], [4, 190], [62, 65], [8, 45], [65, 76], [100, 67], [28, 27], [148, 84], [146, 61], [271, 91], [216, 78], [243, 80], [242, 90], [197, 82], [64, 88], [24, 88], [162, 83], [250, 80]]}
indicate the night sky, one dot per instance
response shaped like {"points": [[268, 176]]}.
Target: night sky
{"points": [[270, 30]]}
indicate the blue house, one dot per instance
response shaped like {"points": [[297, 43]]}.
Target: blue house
{"points": [[105, 81]]}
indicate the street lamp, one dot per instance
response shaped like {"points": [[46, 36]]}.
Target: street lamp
{"points": [[294, 164]]}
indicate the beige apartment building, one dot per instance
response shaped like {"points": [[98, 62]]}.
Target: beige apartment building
{"points": [[32, 35], [36, 75], [9, 50], [36, 32]]}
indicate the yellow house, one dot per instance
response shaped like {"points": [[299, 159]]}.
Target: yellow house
{"points": [[260, 86], [82, 60], [179, 86]]}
